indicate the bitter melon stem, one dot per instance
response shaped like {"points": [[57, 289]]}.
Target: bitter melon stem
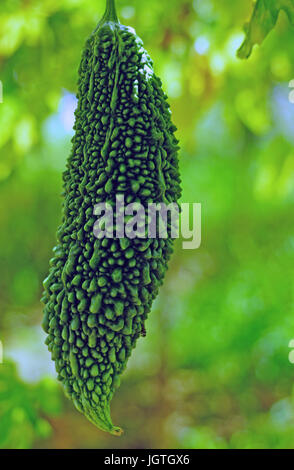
{"points": [[110, 12]]}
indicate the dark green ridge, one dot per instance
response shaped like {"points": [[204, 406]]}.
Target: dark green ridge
{"points": [[98, 293]]}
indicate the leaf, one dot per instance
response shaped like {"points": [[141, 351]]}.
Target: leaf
{"points": [[263, 20]]}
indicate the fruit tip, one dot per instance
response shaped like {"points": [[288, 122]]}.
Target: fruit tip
{"points": [[116, 431]]}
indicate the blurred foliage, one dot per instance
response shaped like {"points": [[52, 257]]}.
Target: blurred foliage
{"points": [[22, 407], [263, 20], [213, 371]]}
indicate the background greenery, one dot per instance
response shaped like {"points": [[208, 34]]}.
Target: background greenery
{"points": [[213, 371]]}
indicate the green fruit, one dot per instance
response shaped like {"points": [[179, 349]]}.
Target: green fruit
{"points": [[99, 292]]}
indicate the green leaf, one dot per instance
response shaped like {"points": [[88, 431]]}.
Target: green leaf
{"points": [[263, 20]]}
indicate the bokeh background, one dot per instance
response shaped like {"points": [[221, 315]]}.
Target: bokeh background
{"points": [[214, 370]]}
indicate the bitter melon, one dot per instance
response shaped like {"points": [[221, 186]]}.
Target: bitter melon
{"points": [[99, 291]]}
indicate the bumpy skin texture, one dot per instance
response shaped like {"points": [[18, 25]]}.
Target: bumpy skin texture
{"points": [[99, 292]]}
